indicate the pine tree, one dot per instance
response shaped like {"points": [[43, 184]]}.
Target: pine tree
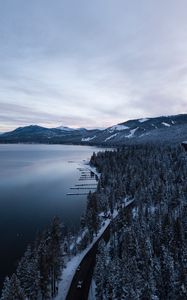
{"points": [[12, 289], [55, 254], [101, 271], [29, 274]]}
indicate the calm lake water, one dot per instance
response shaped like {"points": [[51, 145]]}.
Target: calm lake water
{"points": [[34, 181]]}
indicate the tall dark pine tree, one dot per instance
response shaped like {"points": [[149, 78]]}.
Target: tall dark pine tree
{"points": [[12, 289], [43, 252], [92, 219], [56, 254], [101, 271]]}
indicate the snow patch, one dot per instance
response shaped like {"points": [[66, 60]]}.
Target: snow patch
{"points": [[88, 139], [111, 137], [166, 124], [118, 128], [92, 291], [132, 132], [65, 128], [173, 122], [90, 168], [143, 120], [144, 134]]}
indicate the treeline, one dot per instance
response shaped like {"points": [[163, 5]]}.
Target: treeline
{"points": [[39, 270], [146, 257]]}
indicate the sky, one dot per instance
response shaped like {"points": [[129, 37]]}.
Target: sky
{"points": [[82, 63]]}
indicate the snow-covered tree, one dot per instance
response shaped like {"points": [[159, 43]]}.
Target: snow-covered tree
{"points": [[12, 289]]}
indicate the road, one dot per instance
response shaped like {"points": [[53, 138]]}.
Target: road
{"points": [[85, 272]]}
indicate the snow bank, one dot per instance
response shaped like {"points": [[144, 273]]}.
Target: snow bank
{"points": [[92, 292], [72, 265]]}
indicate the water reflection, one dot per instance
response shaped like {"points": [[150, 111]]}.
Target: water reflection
{"points": [[34, 181]]}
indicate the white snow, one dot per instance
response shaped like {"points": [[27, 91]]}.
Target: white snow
{"points": [[166, 124], [92, 169], [173, 122], [143, 120], [144, 134], [127, 201], [132, 132], [92, 291], [118, 128], [111, 137], [72, 265], [65, 128], [88, 139]]}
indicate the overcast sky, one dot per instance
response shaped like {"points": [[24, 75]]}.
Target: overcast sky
{"points": [[84, 63]]}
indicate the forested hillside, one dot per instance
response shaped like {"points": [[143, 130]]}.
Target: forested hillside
{"points": [[146, 257]]}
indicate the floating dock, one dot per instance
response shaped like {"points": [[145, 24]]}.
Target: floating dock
{"points": [[82, 188], [76, 194], [87, 184]]}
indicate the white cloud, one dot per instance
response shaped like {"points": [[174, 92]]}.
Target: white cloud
{"points": [[92, 63]]}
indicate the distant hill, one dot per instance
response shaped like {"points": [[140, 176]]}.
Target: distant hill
{"points": [[38, 134], [165, 128]]}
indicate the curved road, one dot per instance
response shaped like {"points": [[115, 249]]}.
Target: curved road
{"points": [[80, 285]]}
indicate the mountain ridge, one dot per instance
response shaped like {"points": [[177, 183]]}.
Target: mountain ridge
{"points": [[163, 128]]}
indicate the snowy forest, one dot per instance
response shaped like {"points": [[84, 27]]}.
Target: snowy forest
{"points": [[146, 255], [39, 270]]}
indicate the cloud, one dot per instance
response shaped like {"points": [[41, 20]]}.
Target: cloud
{"points": [[91, 64]]}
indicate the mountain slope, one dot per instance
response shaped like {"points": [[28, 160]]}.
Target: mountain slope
{"points": [[164, 128], [38, 134]]}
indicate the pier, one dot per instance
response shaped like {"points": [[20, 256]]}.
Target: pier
{"points": [[82, 188], [76, 194], [87, 174]]}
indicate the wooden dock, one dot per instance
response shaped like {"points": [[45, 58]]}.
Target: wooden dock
{"points": [[84, 179], [82, 188], [86, 176], [76, 194], [87, 184]]}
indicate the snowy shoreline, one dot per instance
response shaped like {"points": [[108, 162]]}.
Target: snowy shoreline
{"points": [[72, 265]]}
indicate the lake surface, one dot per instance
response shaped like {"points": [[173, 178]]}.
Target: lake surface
{"points": [[34, 182]]}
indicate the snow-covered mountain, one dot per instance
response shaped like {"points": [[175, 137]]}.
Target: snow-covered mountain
{"points": [[64, 128], [164, 128], [38, 134]]}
